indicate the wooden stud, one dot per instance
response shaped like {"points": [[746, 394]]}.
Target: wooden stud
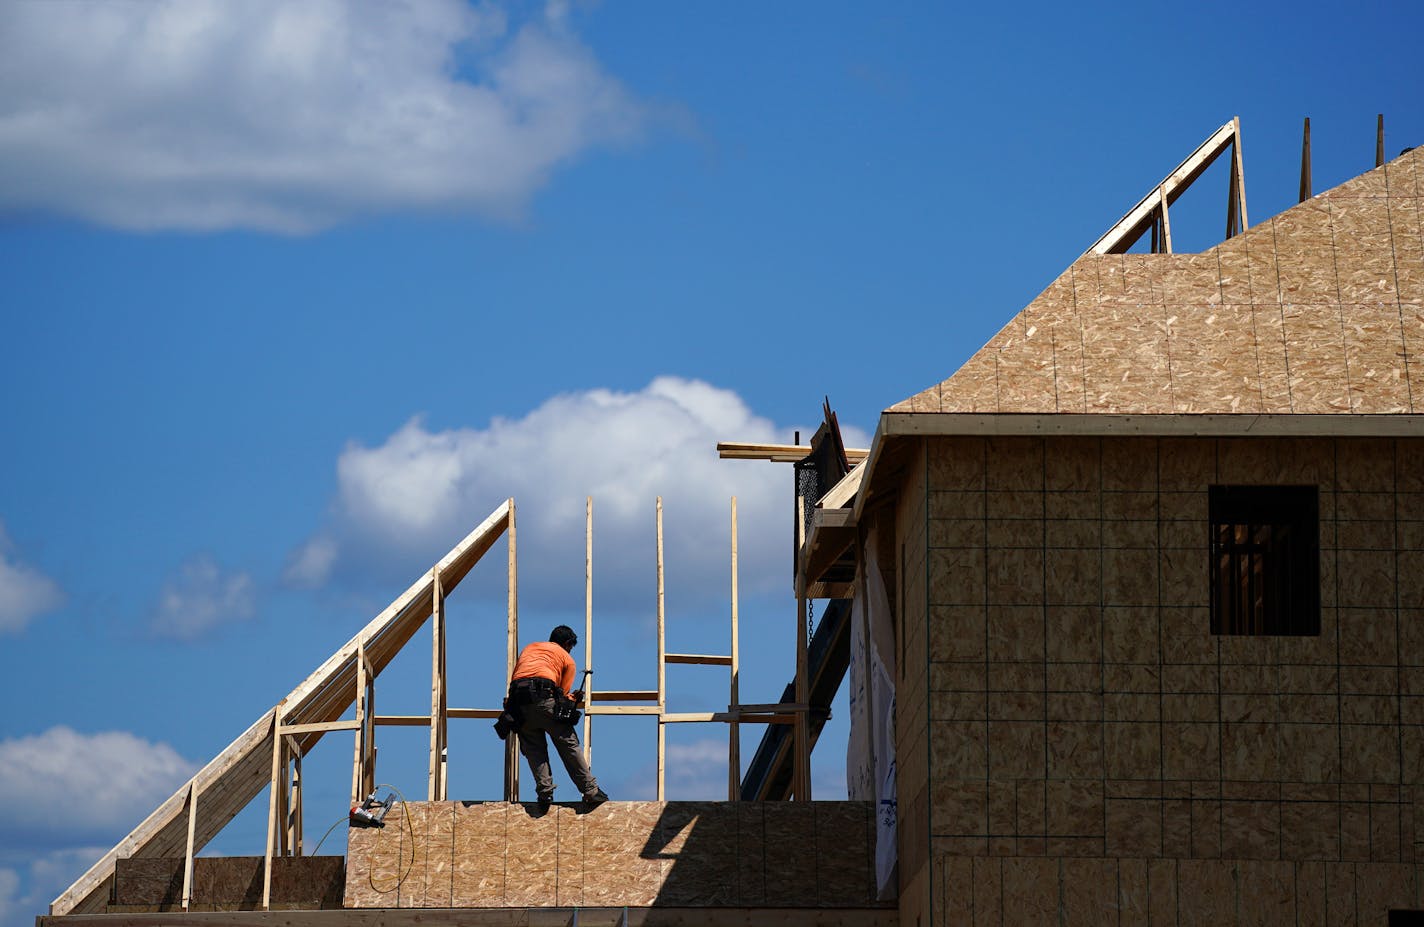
{"points": [[734, 737], [662, 652], [188, 854], [272, 807], [1144, 216], [294, 805], [435, 790], [368, 761], [1239, 172], [1166, 222], [361, 711], [511, 744], [1305, 185], [1379, 141], [588, 625]]}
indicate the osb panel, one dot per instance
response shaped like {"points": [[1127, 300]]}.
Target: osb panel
{"points": [[1097, 339], [630, 853], [1268, 320], [1024, 369], [1207, 893], [1305, 253], [1214, 360], [1267, 894], [479, 840], [1315, 355], [1374, 343], [1125, 356], [1234, 266], [438, 883], [1364, 254], [1380, 887]]}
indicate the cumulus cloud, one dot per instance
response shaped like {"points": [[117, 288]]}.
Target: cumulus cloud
{"points": [[83, 787], [402, 504], [205, 114], [25, 592], [200, 598]]}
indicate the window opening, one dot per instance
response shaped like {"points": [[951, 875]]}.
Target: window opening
{"points": [[1265, 560]]}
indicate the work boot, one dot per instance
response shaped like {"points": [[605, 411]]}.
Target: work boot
{"points": [[544, 804], [595, 798]]}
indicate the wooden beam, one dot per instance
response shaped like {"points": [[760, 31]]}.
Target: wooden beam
{"points": [[188, 854], [1238, 173], [629, 695], [588, 625], [1379, 141], [734, 735], [777, 453], [698, 659], [272, 808], [729, 717], [651, 710], [435, 788], [325, 727], [662, 655], [361, 725], [511, 744], [1305, 185], [1140, 218]]}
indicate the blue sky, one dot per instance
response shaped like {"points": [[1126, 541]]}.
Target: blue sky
{"points": [[293, 296]]}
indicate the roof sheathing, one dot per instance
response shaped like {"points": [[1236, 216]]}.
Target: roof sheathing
{"points": [[1318, 311]]}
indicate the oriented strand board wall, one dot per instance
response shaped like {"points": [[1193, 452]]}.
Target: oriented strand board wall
{"points": [[912, 769], [638, 854], [1095, 748]]}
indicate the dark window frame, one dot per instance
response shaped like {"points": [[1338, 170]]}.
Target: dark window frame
{"points": [[1265, 560]]}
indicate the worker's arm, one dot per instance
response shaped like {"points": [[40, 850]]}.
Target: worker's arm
{"points": [[566, 678]]}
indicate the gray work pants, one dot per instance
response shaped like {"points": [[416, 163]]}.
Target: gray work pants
{"points": [[538, 721]]}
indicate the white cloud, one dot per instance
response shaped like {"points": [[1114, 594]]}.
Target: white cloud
{"points": [[309, 565], [402, 504], [25, 593], [200, 598], [205, 114], [81, 787]]}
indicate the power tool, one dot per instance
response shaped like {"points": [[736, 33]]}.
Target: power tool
{"points": [[371, 812]]}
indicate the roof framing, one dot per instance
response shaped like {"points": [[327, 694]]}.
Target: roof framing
{"points": [[1151, 212]]}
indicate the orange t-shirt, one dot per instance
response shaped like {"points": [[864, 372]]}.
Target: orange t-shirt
{"points": [[548, 660]]}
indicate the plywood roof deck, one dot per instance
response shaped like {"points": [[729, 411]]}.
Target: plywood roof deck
{"points": [[1318, 311]]}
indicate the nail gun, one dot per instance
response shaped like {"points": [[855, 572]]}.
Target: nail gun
{"points": [[372, 812]]}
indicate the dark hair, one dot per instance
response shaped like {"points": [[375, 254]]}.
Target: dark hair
{"points": [[564, 636]]}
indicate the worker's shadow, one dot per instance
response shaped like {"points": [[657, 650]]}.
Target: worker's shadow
{"points": [[714, 853]]}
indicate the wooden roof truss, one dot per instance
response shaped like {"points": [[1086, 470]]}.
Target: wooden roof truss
{"points": [[1151, 214]]}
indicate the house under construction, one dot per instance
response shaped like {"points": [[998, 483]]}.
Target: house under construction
{"points": [[1131, 608]]}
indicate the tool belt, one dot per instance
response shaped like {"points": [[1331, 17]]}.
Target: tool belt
{"points": [[534, 689], [527, 691]]}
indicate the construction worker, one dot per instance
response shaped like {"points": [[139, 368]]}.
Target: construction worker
{"points": [[539, 694]]}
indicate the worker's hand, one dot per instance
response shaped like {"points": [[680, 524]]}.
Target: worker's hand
{"points": [[577, 696]]}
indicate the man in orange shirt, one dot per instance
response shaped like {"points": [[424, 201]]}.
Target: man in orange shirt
{"points": [[545, 672]]}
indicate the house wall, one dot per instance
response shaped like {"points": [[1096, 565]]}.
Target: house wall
{"points": [[1095, 752], [905, 565]]}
